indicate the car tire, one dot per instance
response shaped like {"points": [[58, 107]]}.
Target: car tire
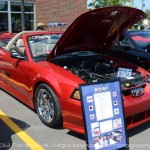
{"points": [[48, 106]]}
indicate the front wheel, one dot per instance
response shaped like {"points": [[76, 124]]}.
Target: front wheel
{"points": [[47, 106]]}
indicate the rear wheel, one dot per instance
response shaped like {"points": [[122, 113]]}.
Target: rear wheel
{"points": [[48, 106]]}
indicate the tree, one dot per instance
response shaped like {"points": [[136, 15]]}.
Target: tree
{"points": [[101, 3], [92, 4], [147, 11], [117, 2]]}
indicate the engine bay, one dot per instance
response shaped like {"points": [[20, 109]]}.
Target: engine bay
{"points": [[95, 68]]}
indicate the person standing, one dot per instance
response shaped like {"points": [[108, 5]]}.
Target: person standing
{"points": [[41, 26]]}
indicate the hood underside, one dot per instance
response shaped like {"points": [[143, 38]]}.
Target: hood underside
{"points": [[95, 30]]}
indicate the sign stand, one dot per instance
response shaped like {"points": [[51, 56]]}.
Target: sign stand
{"points": [[103, 115]]}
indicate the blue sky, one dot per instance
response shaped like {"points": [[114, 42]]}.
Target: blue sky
{"points": [[138, 4]]}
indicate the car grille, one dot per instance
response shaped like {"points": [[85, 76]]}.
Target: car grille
{"points": [[128, 91]]}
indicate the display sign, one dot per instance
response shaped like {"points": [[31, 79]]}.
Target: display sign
{"points": [[103, 116], [124, 72], [55, 24]]}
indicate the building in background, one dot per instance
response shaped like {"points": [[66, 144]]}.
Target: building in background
{"points": [[59, 13], [10, 15], [56, 14]]}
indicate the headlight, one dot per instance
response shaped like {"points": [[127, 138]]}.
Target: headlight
{"points": [[76, 94]]}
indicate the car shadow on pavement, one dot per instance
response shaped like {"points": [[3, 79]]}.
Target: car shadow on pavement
{"points": [[77, 135], [6, 133], [138, 129]]}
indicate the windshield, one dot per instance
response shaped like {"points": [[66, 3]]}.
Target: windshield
{"points": [[4, 42], [141, 38], [41, 45]]}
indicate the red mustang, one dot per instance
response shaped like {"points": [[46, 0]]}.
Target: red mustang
{"points": [[44, 69]]}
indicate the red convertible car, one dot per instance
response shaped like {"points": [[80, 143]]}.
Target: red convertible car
{"points": [[44, 69]]}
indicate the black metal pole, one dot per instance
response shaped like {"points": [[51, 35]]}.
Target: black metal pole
{"points": [[22, 15]]}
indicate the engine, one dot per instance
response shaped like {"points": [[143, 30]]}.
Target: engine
{"points": [[93, 72], [96, 69]]}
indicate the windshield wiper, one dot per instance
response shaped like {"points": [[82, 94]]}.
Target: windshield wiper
{"points": [[42, 55]]}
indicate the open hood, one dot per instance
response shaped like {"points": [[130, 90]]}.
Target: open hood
{"points": [[95, 30]]}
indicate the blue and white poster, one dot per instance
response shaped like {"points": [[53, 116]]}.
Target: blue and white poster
{"points": [[103, 116]]}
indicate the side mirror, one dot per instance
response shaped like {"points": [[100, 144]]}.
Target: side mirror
{"points": [[16, 54]]}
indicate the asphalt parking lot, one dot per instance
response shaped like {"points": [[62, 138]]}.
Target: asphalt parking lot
{"points": [[20, 128]]}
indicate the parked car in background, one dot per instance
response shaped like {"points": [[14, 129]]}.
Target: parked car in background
{"points": [[5, 37], [133, 46], [44, 69]]}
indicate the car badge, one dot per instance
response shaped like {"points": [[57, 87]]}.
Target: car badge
{"points": [[137, 92]]}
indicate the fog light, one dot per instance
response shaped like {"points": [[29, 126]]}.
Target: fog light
{"points": [[76, 94]]}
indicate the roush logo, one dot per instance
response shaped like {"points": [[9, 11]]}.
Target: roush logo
{"points": [[137, 92], [100, 89]]}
